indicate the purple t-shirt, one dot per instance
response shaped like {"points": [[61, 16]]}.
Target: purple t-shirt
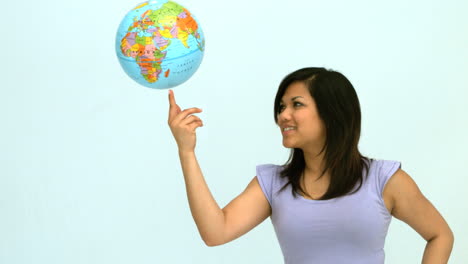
{"points": [[348, 229]]}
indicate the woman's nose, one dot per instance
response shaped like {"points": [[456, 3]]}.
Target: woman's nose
{"points": [[285, 115]]}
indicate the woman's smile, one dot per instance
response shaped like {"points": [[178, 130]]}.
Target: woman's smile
{"points": [[288, 130]]}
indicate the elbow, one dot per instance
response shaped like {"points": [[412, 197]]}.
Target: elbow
{"points": [[446, 238], [211, 243], [451, 238]]}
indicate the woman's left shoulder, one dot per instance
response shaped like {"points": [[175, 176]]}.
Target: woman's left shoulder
{"points": [[401, 180], [385, 165], [401, 189], [383, 170]]}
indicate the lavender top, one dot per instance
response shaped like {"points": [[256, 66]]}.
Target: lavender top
{"points": [[348, 229]]}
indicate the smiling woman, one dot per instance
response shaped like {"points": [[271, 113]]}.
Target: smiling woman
{"points": [[324, 109], [300, 108], [328, 203]]}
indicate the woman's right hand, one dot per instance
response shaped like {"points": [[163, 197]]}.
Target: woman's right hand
{"points": [[183, 124]]}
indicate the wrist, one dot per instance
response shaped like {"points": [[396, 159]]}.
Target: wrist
{"points": [[186, 153]]}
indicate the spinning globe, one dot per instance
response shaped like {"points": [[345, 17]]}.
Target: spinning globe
{"points": [[159, 44]]}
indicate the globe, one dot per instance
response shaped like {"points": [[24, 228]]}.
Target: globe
{"points": [[159, 44]]}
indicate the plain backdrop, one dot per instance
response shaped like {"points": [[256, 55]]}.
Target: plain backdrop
{"points": [[89, 171]]}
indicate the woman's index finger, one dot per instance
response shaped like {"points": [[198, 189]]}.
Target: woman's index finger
{"points": [[171, 98]]}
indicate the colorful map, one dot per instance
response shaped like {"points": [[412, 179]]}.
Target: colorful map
{"points": [[163, 40]]}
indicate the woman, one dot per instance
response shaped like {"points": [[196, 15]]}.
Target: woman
{"points": [[328, 203]]}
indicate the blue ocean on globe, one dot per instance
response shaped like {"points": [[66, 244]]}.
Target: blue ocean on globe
{"points": [[160, 44]]}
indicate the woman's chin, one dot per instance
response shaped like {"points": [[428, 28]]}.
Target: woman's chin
{"points": [[288, 144]]}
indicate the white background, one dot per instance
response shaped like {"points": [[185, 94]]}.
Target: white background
{"points": [[89, 171]]}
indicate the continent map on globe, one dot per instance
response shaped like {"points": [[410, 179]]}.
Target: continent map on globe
{"points": [[160, 44]]}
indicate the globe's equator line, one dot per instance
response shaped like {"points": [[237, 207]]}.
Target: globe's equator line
{"points": [[169, 59]]}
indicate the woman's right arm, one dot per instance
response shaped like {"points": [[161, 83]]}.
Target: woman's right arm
{"points": [[216, 226]]}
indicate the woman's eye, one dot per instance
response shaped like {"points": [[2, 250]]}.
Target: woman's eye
{"points": [[281, 107]]}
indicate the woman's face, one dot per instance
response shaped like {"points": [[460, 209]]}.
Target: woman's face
{"points": [[299, 116]]}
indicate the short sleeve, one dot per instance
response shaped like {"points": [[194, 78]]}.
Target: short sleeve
{"points": [[386, 169], [266, 174]]}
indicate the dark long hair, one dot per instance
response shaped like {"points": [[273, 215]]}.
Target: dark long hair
{"points": [[338, 107]]}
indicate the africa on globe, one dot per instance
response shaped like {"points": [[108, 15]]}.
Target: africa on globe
{"points": [[160, 44]]}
